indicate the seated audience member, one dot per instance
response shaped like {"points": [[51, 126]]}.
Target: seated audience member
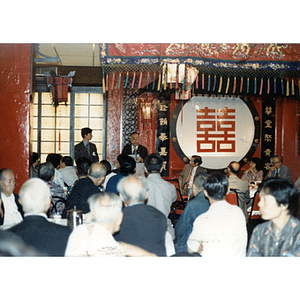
{"points": [[12, 245], [280, 235], [185, 179], [84, 188], [221, 231], [239, 185], [55, 159], [255, 171], [68, 171], [35, 160], [143, 225], [278, 169], [192, 210], [95, 238], [83, 165], [127, 167], [11, 211], [109, 172], [35, 230], [46, 173], [161, 194]]}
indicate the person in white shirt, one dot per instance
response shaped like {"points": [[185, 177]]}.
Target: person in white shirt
{"points": [[68, 171], [11, 212], [221, 231]]}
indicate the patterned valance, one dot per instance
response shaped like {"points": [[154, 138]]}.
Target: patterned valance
{"points": [[234, 69]]}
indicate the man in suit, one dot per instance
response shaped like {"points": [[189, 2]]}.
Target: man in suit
{"points": [[143, 225], [84, 188], [135, 148], [278, 169], [194, 208], [11, 211], [35, 230], [239, 185], [85, 148], [185, 179]]}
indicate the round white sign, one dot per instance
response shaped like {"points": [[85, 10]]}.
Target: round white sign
{"points": [[220, 130]]}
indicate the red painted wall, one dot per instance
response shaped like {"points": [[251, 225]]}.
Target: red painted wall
{"points": [[15, 63]]}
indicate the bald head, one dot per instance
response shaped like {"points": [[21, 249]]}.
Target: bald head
{"points": [[97, 173], [233, 168], [132, 189]]}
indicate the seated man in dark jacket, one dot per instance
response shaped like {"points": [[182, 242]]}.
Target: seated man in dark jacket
{"points": [[35, 230]]}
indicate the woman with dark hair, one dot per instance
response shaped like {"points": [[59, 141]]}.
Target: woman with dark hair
{"points": [[255, 172]]}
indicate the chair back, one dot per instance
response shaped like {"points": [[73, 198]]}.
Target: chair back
{"points": [[232, 198], [254, 212]]}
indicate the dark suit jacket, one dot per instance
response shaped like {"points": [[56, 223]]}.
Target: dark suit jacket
{"points": [[19, 206], [48, 238], [81, 191], [141, 150], [81, 151], [143, 226], [284, 173]]}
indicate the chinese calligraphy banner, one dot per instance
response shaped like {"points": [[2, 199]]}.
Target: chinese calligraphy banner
{"points": [[268, 133], [162, 133]]}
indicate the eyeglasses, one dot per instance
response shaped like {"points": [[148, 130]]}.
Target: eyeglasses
{"points": [[276, 162]]}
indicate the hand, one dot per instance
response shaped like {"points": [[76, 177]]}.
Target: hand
{"points": [[140, 159], [272, 168], [200, 248]]}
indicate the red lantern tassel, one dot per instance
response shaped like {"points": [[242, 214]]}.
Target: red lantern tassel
{"points": [[241, 87], [234, 85], [140, 80], [261, 85], [133, 80]]}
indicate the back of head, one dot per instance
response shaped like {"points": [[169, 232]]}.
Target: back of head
{"points": [[197, 159], [85, 131], [128, 165], [68, 160], [107, 166], [234, 167], [46, 171], [216, 186], [54, 158], [97, 170], [153, 163], [133, 189], [199, 180], [34, 196], [34, 157], [83, 165], [105, 207], [284, 192]]}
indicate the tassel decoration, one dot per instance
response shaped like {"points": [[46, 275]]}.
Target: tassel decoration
{"points": [[242, 82], [208, 84], [293, 88], [234, 85], [153, 84], [268, 86], [159, 82], [203, 81], [261, 85], [113, 81], [103, 82], [133, 80], [147, 80], [126, 81], [255, 86], [215, 81], [227, 86], [274, 85], [282, 89], [107, 81], [197, 82], [287, 88], [220, 85], [248, 85], [120, 77], [140, 79]]}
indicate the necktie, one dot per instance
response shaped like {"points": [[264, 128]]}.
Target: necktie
{"points": [[276, 173], [88, 149], [188, 179]]}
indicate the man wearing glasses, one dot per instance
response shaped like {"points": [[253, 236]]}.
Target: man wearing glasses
{"points": [[278, 169]]}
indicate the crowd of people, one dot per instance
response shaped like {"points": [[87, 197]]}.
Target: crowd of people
{"points": [[129, 215]]}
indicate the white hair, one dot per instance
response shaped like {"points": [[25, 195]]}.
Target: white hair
{"points": [[34, 196], [105, 207]]}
